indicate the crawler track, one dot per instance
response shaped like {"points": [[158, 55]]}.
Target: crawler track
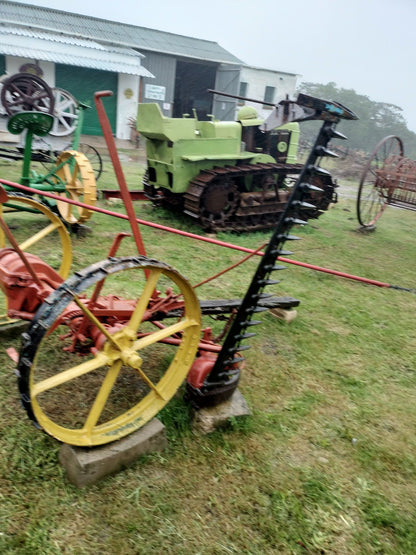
{"points": [[220, 200]]}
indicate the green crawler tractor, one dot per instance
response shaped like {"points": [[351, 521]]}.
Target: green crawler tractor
{"points": [[228, 175]]}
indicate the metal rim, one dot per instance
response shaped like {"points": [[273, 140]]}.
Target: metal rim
{"points": [[19, 201], [65, 113], [123, 351], [76, 173], [23, 92], [94, 158], [19, 204], [372, 197]]}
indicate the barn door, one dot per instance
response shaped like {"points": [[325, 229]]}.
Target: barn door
{"points": [[227, 80], [83, 83]]}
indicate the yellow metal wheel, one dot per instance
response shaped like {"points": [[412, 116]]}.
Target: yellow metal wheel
{"points": [[38, 231], [131, 368], [75, 171]]}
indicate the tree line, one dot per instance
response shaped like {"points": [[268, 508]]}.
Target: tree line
{"points": [[376, 119]]}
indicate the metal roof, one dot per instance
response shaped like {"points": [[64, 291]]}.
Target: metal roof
{"points": [[70, 50], [104, 31]]}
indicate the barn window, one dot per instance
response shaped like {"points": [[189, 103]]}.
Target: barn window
{"points": [[269, 94], [242, 92]]}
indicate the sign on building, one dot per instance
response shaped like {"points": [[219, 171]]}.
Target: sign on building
{"points": [[155, 92]]}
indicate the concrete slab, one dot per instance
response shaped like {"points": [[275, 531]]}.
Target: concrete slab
{"points": [[284, 314], [87, 465], [206, 420]]}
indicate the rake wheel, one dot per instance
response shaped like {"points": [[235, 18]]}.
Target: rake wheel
{"points": [[134, 367], [94, 157], [373, 191]]}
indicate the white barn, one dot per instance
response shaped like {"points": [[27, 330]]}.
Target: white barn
{"points": [[266, 85]]}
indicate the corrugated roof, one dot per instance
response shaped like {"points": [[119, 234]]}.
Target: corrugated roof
{"points": [[70, 50], [104, 31]]}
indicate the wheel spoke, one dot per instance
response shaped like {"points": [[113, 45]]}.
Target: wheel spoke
{"points": [[70, 374], [143, 302], [163, 333], [66, 210], [136, 363], [73, 172], [102, 396], [37, 231], [38, 236], [66, 113], [97, 323]]}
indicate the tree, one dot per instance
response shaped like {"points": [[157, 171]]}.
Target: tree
{"points": [[376, 119]]}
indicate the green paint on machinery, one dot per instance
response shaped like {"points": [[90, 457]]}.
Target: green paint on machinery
{"points": [[228, 175]]}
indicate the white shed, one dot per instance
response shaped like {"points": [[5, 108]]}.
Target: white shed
{"points": [[265, 85]]}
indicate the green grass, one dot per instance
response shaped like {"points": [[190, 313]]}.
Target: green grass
{"points": [[326, 461]]}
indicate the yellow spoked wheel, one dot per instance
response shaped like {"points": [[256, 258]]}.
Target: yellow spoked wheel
{"points": [[130, 366], [75, 171], [38, 231]]}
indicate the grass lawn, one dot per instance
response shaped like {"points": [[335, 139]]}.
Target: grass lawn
{"points": [[326, 461]]}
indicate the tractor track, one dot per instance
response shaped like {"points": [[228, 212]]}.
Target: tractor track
{"points": [[216, 198]]}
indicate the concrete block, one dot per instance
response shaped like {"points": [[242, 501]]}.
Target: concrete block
{"points": [[86, 465], [208, 419], [283, 314]]}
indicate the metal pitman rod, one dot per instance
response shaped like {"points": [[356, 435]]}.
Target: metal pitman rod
{"points": [[304, 108], [241, 97]]}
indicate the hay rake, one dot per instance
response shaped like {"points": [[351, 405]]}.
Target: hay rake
{"points": [[388, 178], [96, 365]]}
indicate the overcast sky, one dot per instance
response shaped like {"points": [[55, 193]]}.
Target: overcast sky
{"points": [[365, 45]]}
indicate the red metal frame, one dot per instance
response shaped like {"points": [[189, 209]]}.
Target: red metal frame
{"points": [[161, 227], [27, 281]]}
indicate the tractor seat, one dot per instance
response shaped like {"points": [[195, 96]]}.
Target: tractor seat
{"points": [[38, 123]]}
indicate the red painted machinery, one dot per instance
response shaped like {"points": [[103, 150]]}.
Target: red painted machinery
{"points": [[107, 348], [388, 178]]}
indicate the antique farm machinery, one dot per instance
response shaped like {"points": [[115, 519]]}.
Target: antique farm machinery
{"points": [[227, 175], [72, 175], [24, 92], [389, 178], [107, 348]]}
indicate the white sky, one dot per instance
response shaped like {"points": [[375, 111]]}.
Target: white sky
{"points": [[365, 45]]}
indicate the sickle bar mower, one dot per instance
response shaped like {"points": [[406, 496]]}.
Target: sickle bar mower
{"points": [[98, 361]]}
